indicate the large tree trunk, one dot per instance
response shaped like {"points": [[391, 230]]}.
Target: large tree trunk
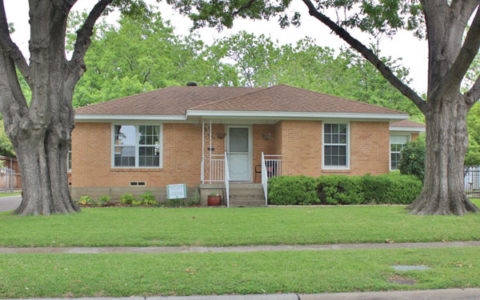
{"points": [[42, 157], [447, 140]]}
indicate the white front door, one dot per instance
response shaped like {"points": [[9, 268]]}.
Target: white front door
{"points": [[239, 153]]}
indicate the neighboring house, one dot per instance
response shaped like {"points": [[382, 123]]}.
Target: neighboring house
{"points": [[401, 132], [182, 135], [9, 174]]}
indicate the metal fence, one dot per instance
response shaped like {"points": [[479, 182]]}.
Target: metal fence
{"points": [[472, 181]]}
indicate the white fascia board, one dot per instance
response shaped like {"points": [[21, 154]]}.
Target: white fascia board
{"points": [[95, 117], [408, 129], [287, 114]]}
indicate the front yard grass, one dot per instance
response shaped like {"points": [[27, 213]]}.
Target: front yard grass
{"points": [[9, 194], [79, 275], [234, 226]]}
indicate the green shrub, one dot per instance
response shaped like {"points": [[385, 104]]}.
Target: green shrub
{"points": [[289, 190], [391, 189], [137, 202], [412, 160], [340, 189], [127, 199], [86, 200], [343, 189], [104, 200], [148, 199]]}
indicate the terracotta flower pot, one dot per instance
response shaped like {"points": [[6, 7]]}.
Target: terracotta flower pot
{"points": [[214, 200]]}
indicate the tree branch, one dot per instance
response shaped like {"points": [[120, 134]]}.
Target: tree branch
{"points": [[369, 55], [64, 5], [243, 7], [473, 95], [453, 78], [10, 48], [76, 63]]}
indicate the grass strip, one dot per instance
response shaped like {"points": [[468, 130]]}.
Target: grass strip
{"points": [[76, 275], [9, 194], [234, 226]]}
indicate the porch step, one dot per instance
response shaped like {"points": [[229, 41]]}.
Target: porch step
{"points": [[246, 195]]}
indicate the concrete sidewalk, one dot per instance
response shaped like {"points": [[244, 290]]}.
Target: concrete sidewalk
{"points": [[446, 294], [184, 249]]}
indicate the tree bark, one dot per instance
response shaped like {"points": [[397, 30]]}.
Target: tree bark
{"points": [[41, 131], [43, 166], [446, 144]]}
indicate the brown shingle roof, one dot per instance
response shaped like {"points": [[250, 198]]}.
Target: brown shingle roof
{"points": [[176, 100], [173, 100], [407, 123], [290, 99]]}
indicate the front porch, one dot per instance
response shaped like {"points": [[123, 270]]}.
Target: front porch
{"points": [[238, 157]]}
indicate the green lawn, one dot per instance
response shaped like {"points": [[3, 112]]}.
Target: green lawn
{"points": [[77, 275], [9, 194], [235, 226]]}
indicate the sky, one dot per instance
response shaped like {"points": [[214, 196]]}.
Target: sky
{"points": [[403, 45]]}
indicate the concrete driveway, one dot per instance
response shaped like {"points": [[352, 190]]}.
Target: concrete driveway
{"points": [[9, 203]]}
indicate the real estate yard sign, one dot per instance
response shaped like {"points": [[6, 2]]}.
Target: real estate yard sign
{"points": [[176, 191]]}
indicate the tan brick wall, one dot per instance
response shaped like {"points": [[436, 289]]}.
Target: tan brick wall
{"points": [[91, 158], [264, 139], [301, 147], [414, 136], [299, 143], [369, 148]]}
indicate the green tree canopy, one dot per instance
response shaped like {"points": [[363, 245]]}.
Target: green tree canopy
{"points": [[143, 54]]}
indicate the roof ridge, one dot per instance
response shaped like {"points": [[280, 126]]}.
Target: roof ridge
{"points": [[351, 100], [230, 98]]}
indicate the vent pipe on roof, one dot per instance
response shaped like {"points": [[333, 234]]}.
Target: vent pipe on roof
{"points": [[191, 83]]}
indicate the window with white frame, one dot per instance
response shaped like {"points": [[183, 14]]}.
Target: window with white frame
{"points": [[397, 143], [137, 146], [335, 145]]}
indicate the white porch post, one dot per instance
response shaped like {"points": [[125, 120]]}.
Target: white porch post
{"points": [[210, 152], [202, 175]]}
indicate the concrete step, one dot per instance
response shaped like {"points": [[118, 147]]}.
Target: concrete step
{"points": [[244, 185], [246, 195], [258, 193], [246, 203]]}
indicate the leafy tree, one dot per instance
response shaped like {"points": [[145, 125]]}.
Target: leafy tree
{"points": [[6, 148], [472, 158], [262, 62], [144, 54], [412, 160], [40, 129], [452, 48]]}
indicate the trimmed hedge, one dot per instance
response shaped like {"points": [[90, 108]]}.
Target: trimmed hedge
{"points": [[343, 189]]}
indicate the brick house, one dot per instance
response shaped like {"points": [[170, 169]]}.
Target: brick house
{"points": [[192, 134]]}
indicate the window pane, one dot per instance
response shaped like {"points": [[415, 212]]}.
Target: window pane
{"points": [[398, 139], [395, 160], [335, 139], [148, 135], [328, 138], [149, 156], [328, 128], [124, 135], [335, 156], [238, 140], [124, 156]]}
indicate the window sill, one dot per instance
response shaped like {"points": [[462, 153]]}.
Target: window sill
{"points": [[136, 169], [339, 170]]}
